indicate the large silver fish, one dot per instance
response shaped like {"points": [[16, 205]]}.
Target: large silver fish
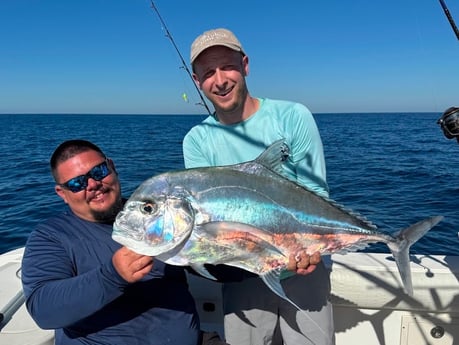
{"points": [[249, 216]]}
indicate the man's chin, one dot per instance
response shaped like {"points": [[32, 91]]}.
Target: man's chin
{"points": [[108, 215]]}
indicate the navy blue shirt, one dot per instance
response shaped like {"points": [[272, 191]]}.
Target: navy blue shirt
{"points": [[71, 285]]}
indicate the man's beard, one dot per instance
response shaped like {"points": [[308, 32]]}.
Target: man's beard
{"points": [[109, 215]]}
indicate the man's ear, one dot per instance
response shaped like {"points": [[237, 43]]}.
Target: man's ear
{"points": [[196, 80], [60, 191], [245, 65]]}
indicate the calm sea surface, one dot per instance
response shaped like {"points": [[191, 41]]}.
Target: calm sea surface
{"points": [[395, 169]]}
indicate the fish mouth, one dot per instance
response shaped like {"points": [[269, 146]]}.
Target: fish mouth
{"points": [[123, 234], [124, 225], [137, 244], [133, 245]]}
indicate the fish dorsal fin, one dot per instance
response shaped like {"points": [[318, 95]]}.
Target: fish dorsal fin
{"points": [[274, 156]]}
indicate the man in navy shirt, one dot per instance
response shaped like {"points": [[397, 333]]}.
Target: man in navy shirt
{"points": [[81, 283]]}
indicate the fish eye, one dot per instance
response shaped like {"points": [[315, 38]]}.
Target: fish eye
{"points": [[148, 207]]}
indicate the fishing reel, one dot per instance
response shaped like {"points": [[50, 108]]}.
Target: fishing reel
{"points": [[449, 123]]}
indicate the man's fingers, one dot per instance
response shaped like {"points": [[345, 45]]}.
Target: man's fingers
{"points": [[291, 266], [303, 260], [315, 258], [302, 263], [145, 266], [308, 270], [130, 265], [142, 263]]}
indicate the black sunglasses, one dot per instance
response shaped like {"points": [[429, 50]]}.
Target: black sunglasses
{"points": [[77, 184], [449, 122]]}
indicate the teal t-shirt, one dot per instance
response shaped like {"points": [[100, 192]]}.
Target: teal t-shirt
{"points": [[212, 143]]}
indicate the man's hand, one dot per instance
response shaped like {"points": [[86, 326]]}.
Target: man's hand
{"points": [[302, 263], [131, 266]]}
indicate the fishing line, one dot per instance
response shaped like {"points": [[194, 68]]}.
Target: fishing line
{"points": [[450, 20], [184, 65], [434, 90]]}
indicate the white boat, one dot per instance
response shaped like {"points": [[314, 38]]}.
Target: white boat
{"points": [[16, 325], [370, 306]]}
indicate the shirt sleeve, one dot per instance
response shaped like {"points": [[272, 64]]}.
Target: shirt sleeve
{"points": [[53, 291], [307, 152], [193, 154]]}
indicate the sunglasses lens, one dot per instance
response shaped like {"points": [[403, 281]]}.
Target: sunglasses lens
{"points": [[77, 184], [98, 173]]}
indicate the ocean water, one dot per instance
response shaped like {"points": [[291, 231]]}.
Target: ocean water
{"points": [[395, 169]]}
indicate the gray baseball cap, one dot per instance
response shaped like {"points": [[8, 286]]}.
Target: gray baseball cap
{"points": [[215, 37]]}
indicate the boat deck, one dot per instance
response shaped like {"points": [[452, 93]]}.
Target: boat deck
{"points": [[370, 306]]}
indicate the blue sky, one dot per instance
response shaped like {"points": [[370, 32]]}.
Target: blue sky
{"points": [[100, 56]]}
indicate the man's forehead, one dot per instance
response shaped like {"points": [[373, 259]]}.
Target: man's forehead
{"points": [[80, 161]]}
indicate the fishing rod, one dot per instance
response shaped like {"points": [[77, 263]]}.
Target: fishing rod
{"points": [[184, 66], [450, 18]]}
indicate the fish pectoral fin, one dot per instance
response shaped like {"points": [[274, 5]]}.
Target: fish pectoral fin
{"points": [[202, 271], [241, 234], [272, 280]]}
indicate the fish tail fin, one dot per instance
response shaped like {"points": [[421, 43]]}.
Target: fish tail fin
{"points": [[401, 248], [272, 280]]}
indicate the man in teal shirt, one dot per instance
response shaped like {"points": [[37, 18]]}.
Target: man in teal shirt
{"points": [[239, 130]]}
